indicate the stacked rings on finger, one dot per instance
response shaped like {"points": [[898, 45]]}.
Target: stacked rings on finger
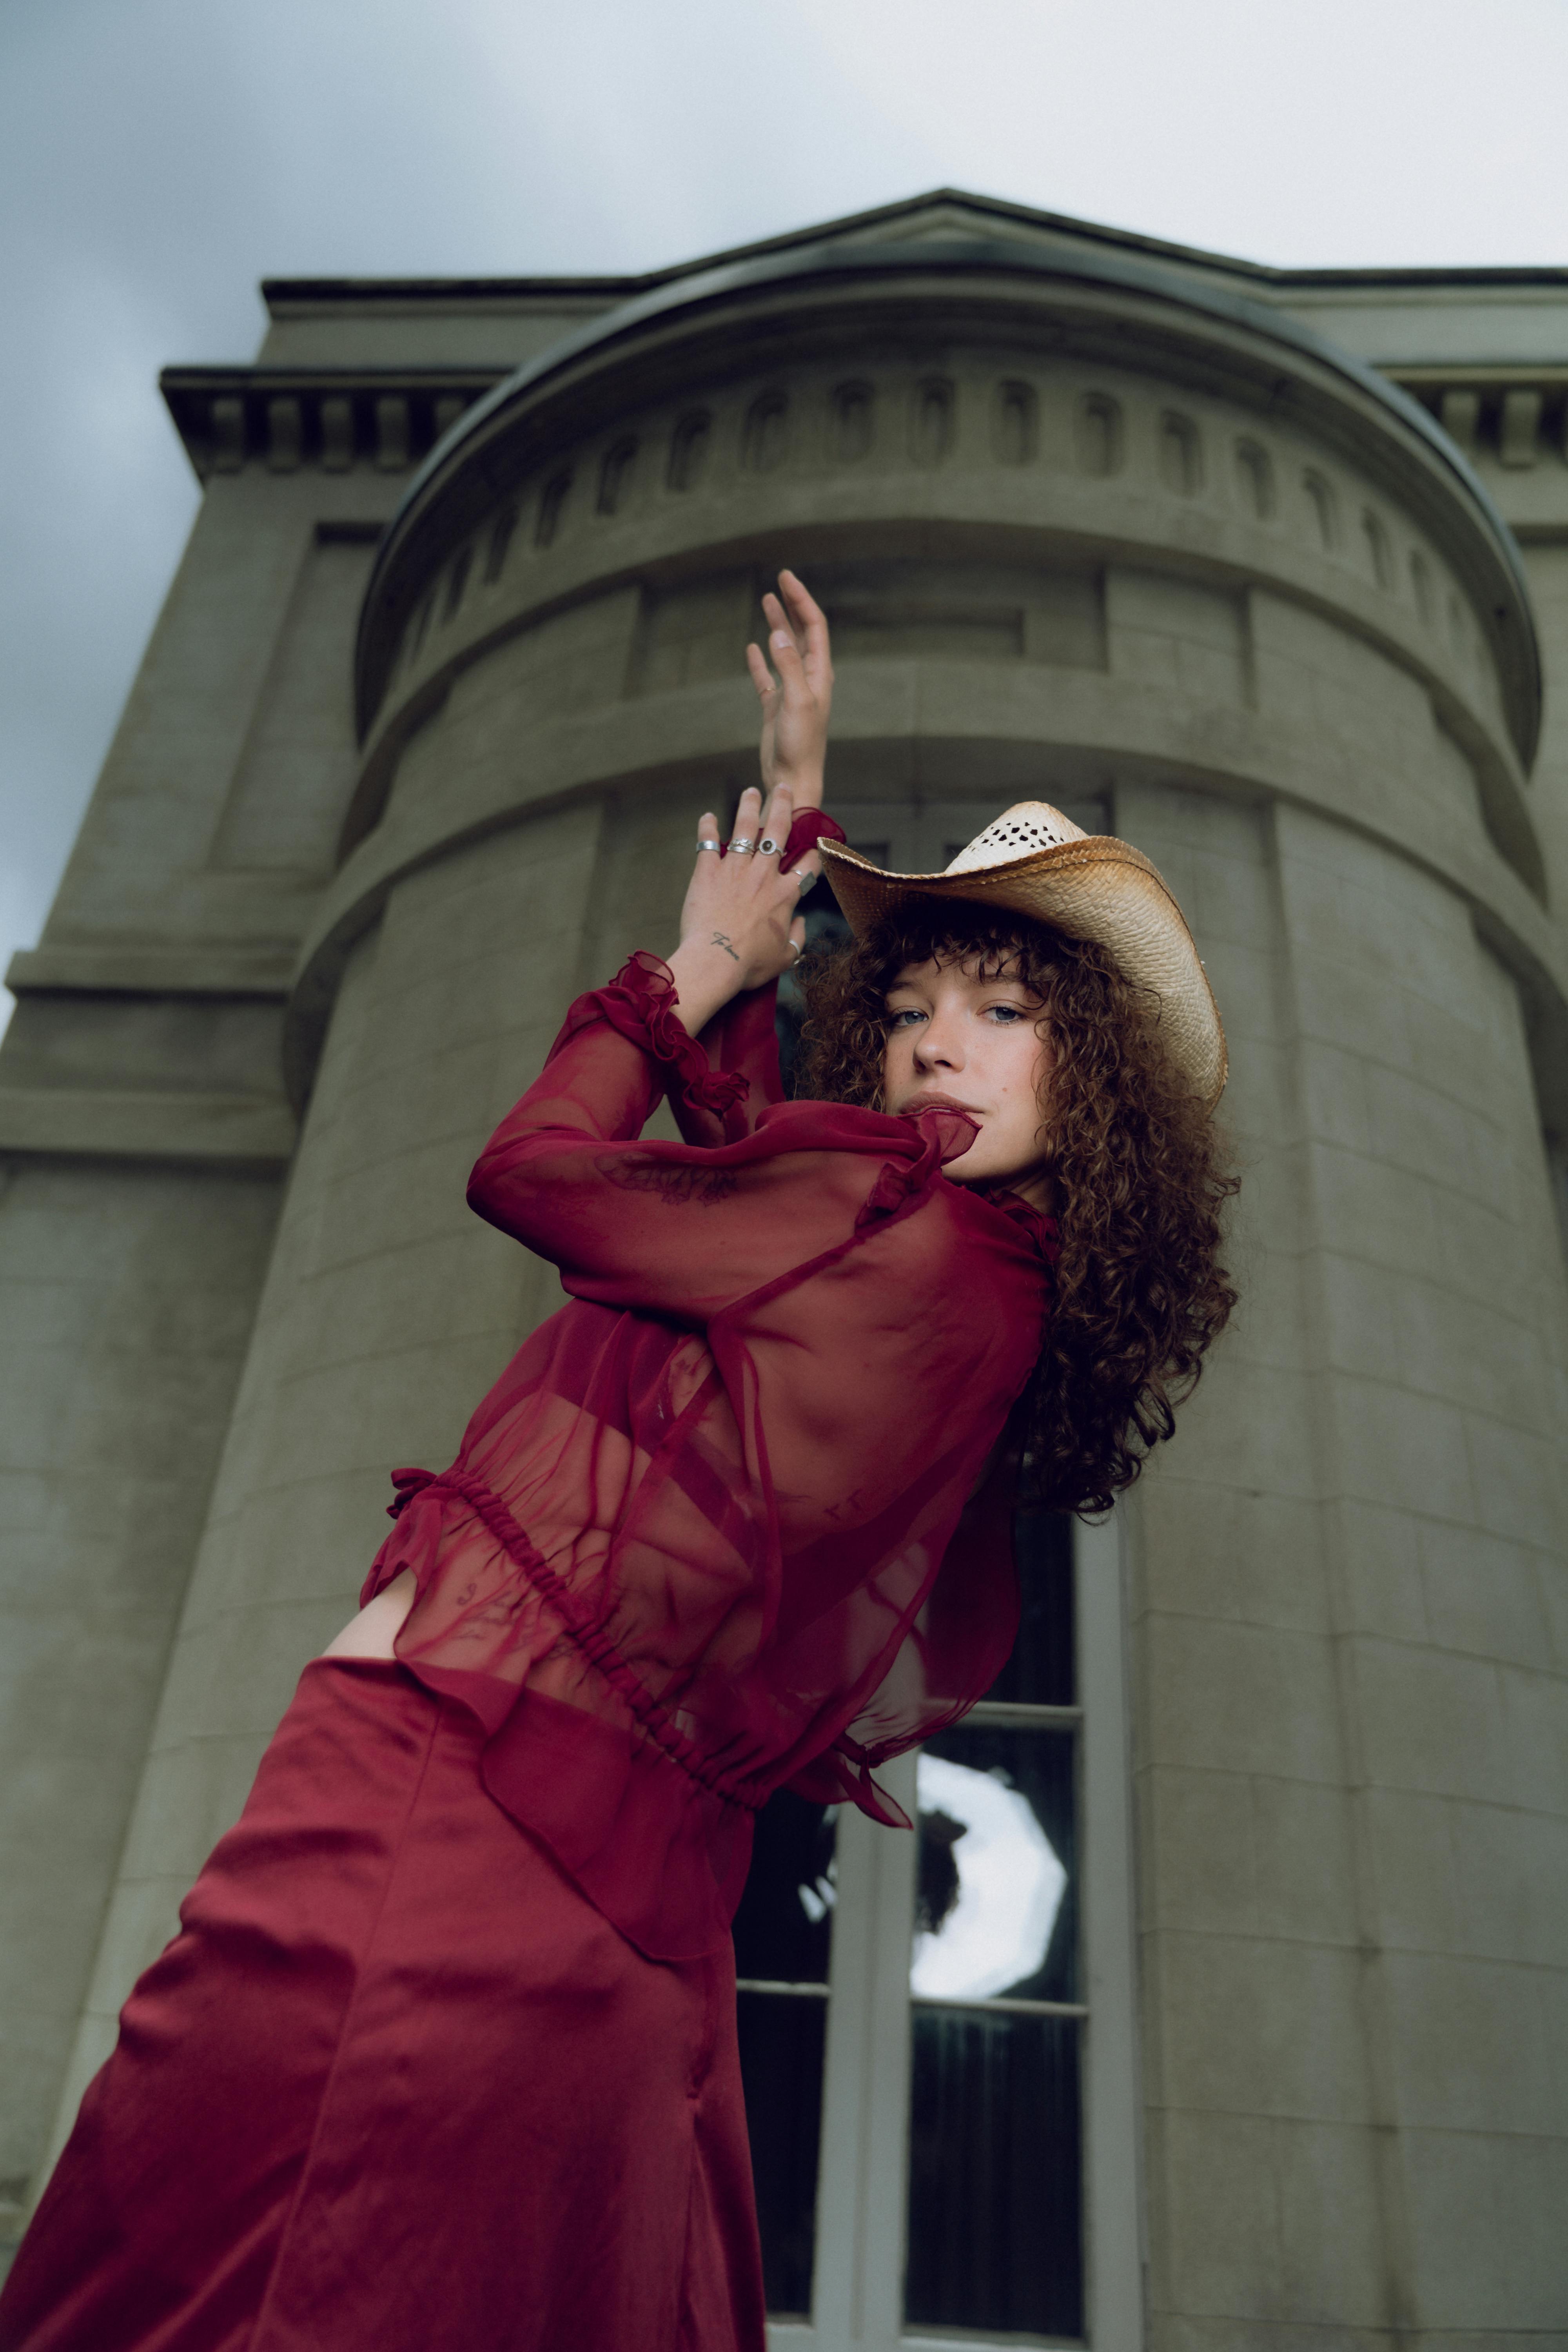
{"points": [[770, 847], [740, 845]]}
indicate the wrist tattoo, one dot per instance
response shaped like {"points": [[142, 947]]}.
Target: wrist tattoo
{"points": [[720, 941]]}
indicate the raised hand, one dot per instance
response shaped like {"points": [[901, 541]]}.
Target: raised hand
{"points": [[796, 703], [738, 927]]}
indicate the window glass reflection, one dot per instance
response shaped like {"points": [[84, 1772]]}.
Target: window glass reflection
{"points": [[783, 1932], [1041, 1671], [996, 1908], [782, 2042], [990, 1884], [996, 2217], [783, 1928]]}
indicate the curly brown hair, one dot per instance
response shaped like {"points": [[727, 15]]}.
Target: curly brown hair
{"points": [[1136, 1172]]}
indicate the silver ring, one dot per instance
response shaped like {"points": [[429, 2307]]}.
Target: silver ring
{"points": [[798, 952], [803, 878], [708, 844], [770, 847], [740, 845]]}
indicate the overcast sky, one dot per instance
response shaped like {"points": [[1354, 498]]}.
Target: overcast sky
{"points": [[158, 157]]}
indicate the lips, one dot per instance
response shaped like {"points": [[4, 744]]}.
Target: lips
{"points": [[913, 1108]]}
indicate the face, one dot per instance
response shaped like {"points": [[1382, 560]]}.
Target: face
{"points": [[972, 1044]]}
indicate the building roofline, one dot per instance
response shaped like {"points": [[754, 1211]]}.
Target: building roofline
{"points": [[290, 293], [281, 294]]}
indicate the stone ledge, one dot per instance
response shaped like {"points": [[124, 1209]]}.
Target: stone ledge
{"points": [[330, 418], [150, 971], [1517, 414], [98, 1123]]}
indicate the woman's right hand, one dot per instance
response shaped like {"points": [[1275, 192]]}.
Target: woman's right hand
{"points": [[796, 705], [739, 928]]}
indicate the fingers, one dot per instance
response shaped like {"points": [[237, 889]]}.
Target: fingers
{"points": [[809, 621], [783, 650], [796, 636], [756, 824], [806, 615], [777, 618], [761, 675], [743, 906], [798, 642], [778, 816], [748, 824], [709, 842]]}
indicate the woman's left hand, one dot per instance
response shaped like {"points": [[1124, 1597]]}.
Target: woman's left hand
{"points": [[738, 927], [797, 704]]}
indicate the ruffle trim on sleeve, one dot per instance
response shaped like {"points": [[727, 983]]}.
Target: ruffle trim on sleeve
{"points": [[640, 1004], [406, 1484]]}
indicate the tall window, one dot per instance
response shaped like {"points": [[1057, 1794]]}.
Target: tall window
{"points": [[937, 2031]]}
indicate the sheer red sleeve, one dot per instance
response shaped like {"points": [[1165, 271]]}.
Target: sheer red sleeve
{"points": [[678, 1229], [741, 1048]]}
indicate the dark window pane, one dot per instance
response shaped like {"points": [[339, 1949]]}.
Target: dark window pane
{"points": [[996, 1896], [1040, 1672], [785, 1925], [782, 1934], [996, 2225], [782, 2041]]}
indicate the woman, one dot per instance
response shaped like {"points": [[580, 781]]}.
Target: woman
{"points": [[444, 2056]]}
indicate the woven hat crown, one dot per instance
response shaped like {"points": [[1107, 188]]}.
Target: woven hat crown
{"points": [[1028, 825]]}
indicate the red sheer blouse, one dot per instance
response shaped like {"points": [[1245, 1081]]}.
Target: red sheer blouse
{"points": [[723, 1523]]}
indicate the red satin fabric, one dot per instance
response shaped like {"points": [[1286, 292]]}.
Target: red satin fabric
{"points": [[715, 1529], [395, 2085]]}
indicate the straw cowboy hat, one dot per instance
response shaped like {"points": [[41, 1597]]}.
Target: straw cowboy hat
{"points": [[1034, 861]]}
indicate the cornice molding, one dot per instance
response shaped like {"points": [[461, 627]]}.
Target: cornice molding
{"points": [[329, 418], [1514, 412]]}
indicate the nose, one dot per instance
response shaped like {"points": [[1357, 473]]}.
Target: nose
{"points": [[939, 1044]]}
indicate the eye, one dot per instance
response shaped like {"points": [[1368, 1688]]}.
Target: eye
{"points": [[1008, 1015], [903, 1017]]}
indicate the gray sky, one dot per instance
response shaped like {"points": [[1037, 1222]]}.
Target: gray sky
{"points": [[158, 157]]}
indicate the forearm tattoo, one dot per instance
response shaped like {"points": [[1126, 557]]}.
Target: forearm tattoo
{"points": [[720, 941]]}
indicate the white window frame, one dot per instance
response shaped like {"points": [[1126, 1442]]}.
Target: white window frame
{"points": [[858, 2293]]}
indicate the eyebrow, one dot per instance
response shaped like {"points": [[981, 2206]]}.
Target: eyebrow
{"points": [[1032, 997]]}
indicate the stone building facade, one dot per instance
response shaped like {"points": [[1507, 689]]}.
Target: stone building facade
{"points": [[1266, 572]]}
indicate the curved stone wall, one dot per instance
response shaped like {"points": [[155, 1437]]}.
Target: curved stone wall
{"points": [[1103, 542], [1005, 520]]}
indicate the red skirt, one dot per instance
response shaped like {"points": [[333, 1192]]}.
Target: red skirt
{"points": [[397, 2087]]}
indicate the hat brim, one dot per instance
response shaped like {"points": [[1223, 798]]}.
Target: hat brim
{"points": [[1097, 888]]}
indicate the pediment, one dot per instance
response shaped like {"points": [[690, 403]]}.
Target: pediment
{"points": [[948, 213]]}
